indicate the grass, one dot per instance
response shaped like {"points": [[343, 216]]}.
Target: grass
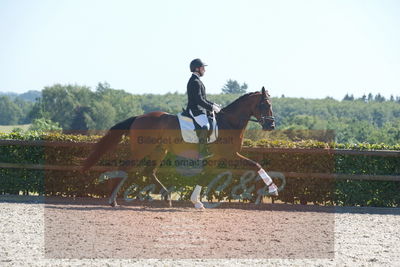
{"points": [[9, 128]]}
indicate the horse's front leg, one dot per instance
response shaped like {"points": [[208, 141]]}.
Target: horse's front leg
{"points": [[195, 196], [272, 188]]}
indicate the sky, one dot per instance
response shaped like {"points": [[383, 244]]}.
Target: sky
{"points": [[298, 48]]}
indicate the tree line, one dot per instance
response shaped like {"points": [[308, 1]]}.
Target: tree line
{"points": [[369, 118]]}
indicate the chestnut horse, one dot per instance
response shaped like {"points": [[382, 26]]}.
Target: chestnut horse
{"points": [[232, 122]]}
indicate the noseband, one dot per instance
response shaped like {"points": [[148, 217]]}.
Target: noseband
{"points": [[263, 118]]}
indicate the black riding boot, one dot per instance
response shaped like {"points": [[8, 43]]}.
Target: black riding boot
{"points": [[203, 146]]}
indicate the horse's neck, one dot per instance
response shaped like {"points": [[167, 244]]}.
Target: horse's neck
{"points": [[237, 118]]}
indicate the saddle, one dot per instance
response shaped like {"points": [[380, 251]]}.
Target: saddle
{"points": [[189, 126]]}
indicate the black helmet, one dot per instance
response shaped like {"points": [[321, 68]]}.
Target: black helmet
{"points": [[196, 63]]}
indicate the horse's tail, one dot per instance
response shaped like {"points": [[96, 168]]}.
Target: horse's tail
{"points": [[107, 142]]}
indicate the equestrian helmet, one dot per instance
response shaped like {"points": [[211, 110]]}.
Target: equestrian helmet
{"points": [[196, 63]]}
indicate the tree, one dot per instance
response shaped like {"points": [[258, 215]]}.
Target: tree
{"points": [[10, 113], [25, 107], [60, 101], [380, 98], [31, 95], [348, 97], [103, 87], [78, 107], [233, 87], [124, 104], [44, 125], [102, 116], [378, 116], [79, 123], [37, 111], [363, 98]]}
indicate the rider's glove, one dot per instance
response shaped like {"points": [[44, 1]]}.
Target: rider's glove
{"points": [[216, 108]]}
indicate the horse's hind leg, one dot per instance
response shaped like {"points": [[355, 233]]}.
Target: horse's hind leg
{"points": [[167, 195], [117, 183], [121, 176], [152, 163], [116, 178], [156, 157]]}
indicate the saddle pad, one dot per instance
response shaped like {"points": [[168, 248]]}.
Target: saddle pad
{"points": [[188, 130]]}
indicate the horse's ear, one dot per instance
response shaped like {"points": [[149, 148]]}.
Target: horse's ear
{"points": [[263, 91]]}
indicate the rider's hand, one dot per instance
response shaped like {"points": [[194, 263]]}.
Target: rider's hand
{"points": [[216, 108]]}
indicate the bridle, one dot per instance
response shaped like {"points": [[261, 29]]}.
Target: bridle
{"points": [[263, 107]]}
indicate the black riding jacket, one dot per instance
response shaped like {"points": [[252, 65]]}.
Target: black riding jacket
{"points": [[197, 101]]}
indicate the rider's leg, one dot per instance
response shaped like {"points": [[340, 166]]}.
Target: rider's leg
{"points": [[201, 120], [203, 134]]}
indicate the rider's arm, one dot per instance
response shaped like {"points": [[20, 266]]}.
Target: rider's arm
{"points": [[200, 100], [216, 107]]}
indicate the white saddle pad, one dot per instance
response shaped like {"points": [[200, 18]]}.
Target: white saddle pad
{"points": [[188, 130]]}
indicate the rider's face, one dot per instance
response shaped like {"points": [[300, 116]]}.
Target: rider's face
{"points": [[201, 71]]}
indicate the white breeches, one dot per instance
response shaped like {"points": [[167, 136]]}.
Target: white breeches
{"points": [[201, 120]]}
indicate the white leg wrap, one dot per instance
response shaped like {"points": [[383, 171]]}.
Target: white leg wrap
{"points": [[267, 180], [195, 197], [272, 188]]}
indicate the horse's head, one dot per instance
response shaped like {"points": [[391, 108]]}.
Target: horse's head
{"points": [[262, 110]]}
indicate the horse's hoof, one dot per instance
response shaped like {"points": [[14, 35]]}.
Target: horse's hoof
{"points": [[273, 190], [114, 204], [199, 206], [274, 194], [168, 200]]}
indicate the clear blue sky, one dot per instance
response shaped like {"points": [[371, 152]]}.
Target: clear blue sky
{"points": [[309, 49]]}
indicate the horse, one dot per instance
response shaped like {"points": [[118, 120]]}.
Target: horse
{"points": [[232, 121]]}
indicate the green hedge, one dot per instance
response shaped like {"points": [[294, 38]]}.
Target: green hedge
{"points": [[296, 190]]}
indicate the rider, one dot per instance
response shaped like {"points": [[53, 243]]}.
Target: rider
{"points": [[198, 105]]}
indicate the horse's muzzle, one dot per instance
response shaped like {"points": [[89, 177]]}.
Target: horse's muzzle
{"points": [[269, 125]]}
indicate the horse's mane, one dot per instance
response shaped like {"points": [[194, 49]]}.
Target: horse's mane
{"points": [[237, 101]]}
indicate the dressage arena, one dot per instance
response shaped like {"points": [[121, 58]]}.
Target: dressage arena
{"points": [[86, 232]]}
